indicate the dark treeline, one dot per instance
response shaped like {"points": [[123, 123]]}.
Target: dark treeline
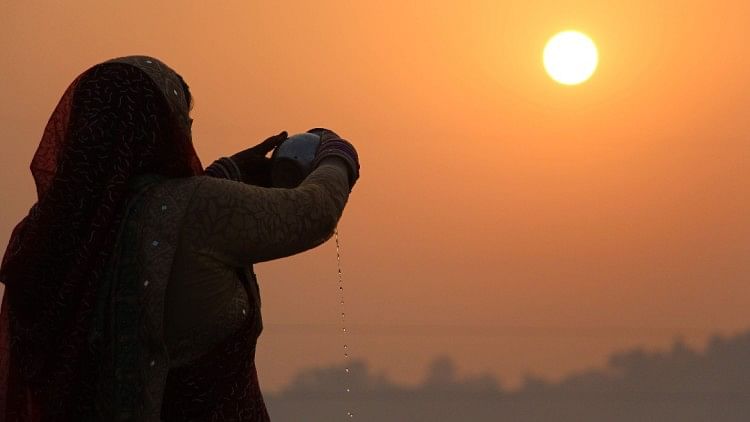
{"points": [[680, 384]]}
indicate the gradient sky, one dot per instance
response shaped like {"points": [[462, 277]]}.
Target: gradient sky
{"points": [[509, 222]]}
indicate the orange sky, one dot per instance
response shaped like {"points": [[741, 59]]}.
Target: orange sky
{"points": [[504, 220]]}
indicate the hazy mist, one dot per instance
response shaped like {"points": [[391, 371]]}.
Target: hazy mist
{"points": [[680, 384]]}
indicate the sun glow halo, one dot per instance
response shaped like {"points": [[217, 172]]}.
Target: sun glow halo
{"points": [[570, 57]]}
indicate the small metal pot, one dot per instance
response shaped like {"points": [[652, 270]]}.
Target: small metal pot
{"points": [[292, 160]]}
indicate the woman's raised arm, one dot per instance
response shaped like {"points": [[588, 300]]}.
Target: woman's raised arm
{"points": [[242, 224]]}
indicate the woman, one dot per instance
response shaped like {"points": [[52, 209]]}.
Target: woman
{"points": [[129, 291]]}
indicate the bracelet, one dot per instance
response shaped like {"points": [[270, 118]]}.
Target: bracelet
{"points": [[224, 168], [343, 149]]}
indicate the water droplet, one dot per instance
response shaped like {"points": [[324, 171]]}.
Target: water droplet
{"points": [[343, 314]]}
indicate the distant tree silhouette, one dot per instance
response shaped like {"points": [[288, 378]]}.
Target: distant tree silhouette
{"points": [[441, 373], [680, 384]]}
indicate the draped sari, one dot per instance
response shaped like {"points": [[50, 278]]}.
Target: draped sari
{"points": [[117, 120]]}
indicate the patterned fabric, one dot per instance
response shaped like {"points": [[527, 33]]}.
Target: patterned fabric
{"points": [[237, 224], [116, 120], [119, 388], [143, 271]]}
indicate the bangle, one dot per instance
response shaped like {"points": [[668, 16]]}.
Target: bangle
{"points": [[343, 149], [224, 168]]}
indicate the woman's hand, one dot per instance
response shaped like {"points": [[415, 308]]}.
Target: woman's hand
{"points": [[253, 164]]}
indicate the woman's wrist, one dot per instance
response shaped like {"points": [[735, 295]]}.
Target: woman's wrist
{"points": [[339, 149], [335, 161], [224, 168]]}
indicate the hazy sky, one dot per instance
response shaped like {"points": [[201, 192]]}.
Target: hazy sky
{"points": [[504, 220]]}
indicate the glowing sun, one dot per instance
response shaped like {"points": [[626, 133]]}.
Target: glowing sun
{"points": [[570, 57]]}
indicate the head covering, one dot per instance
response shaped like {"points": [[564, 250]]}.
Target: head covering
{"points": [[117, 120]]}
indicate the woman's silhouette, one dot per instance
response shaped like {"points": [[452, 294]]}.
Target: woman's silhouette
{"points": [[129, 291]]}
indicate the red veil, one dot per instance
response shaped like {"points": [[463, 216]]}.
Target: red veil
{"points": [[118, 119]]}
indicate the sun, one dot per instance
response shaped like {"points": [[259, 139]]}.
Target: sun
{"points": [[570, 57]]}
